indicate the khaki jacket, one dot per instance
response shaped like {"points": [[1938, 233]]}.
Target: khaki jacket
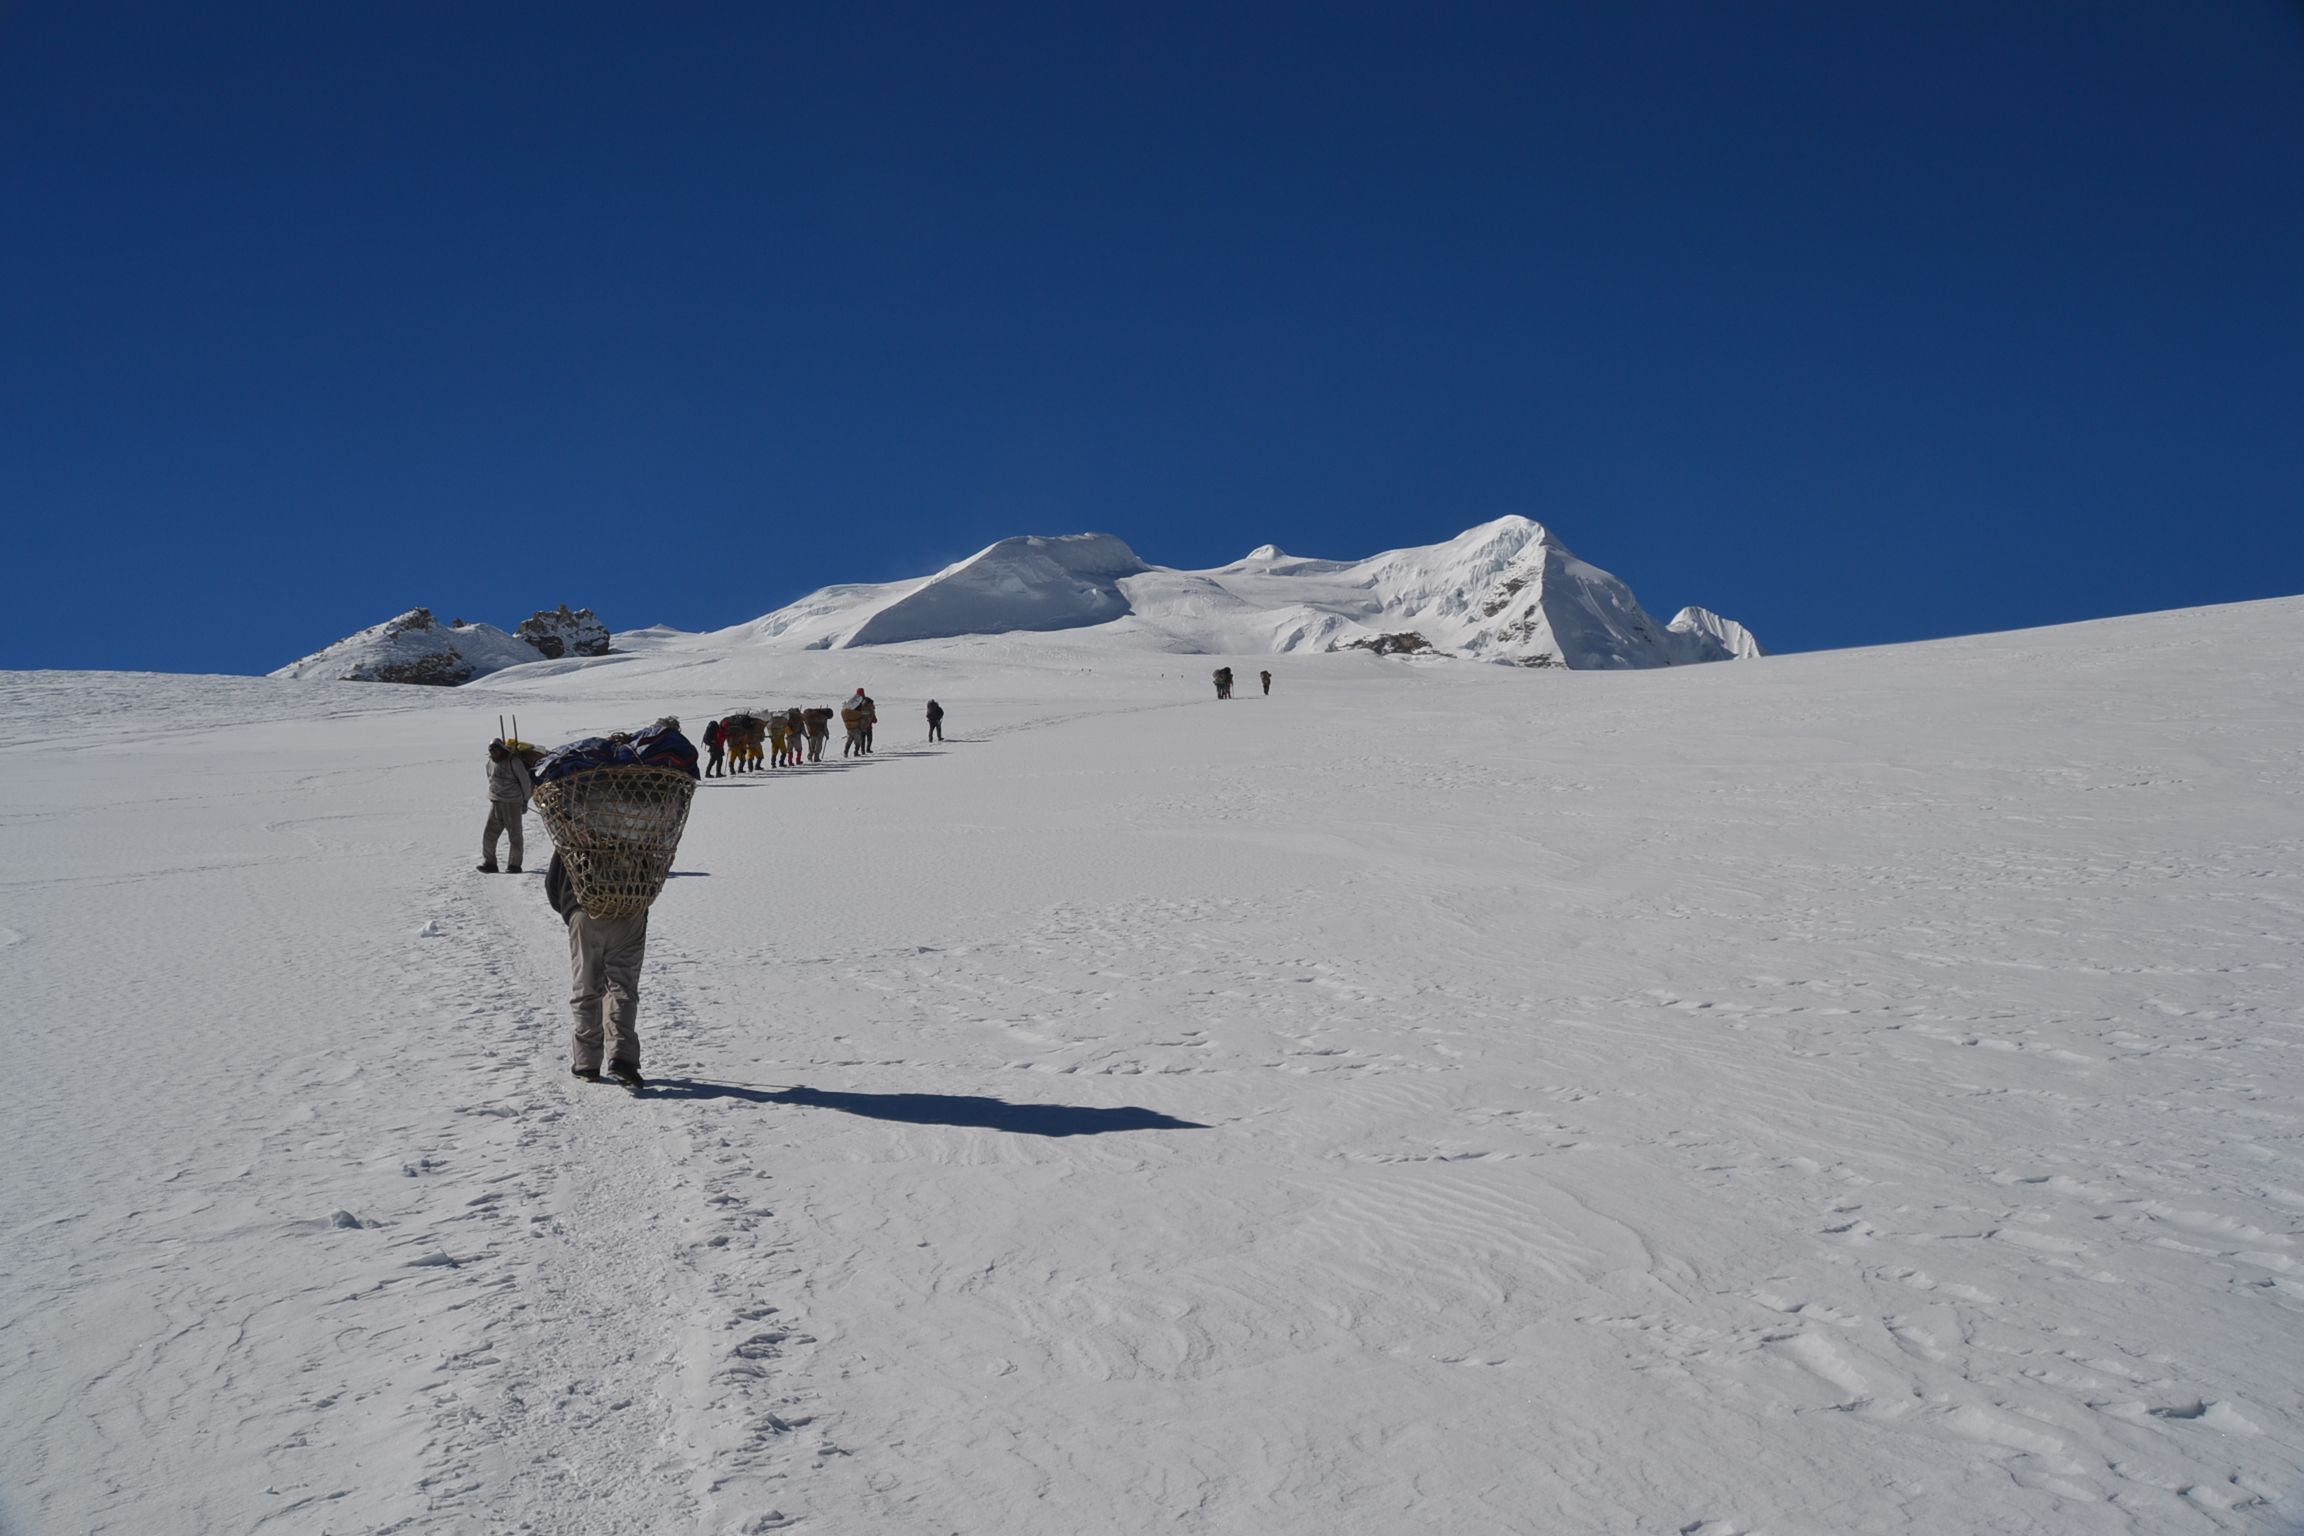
{"points": [[509, 781]]}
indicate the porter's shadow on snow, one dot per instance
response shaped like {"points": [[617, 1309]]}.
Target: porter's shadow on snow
{"points": [[940, 1109]]}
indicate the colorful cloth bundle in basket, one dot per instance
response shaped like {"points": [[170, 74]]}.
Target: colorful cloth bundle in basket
{"points": [[617, 818]]}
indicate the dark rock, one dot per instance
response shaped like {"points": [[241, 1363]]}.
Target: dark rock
{"points": [[442, 668], [559, 632], [1501, 598], [1405, 643]]}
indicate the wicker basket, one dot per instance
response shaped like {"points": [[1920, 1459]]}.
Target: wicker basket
{"points": [[617, 830]]}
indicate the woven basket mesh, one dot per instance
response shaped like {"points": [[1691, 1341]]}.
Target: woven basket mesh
{"points": [[617, 830]]}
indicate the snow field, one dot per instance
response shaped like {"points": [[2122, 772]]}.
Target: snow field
{"points": [[1849, 1093]]}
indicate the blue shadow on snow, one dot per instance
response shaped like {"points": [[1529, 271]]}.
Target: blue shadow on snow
{"points": [[940, 1109]]}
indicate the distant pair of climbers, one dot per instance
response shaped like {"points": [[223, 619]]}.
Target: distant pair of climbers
{"points": [[1224, 682]]}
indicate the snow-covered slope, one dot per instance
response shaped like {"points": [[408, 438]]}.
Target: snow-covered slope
{"points": [[1856, 1096], [415, 648], [1504, 591], [1016, 584]]}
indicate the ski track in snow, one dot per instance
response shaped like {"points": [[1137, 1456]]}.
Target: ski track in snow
{"points": [[1844, 1094]]}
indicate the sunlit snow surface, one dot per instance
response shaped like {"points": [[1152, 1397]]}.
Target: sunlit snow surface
{"points": [[1839, 1093]]}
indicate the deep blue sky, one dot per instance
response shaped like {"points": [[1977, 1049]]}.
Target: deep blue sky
{"points": [[1857, 322]]}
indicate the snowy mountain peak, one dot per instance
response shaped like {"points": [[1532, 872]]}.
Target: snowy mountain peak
{"points": [[1510, 526], [1091, 555], [1506, 590], [1705, 636], [1027, 583], [1503, 538]]}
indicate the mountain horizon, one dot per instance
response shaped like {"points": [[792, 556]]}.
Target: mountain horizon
{"points": [[1506, 591]]}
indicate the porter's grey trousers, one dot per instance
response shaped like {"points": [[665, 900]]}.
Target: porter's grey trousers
{"points": [[604, 955], [503, 816]]}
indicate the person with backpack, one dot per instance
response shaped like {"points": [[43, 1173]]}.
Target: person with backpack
{"points": [[744, 734], [935, 721], [1223, 682], [1267, 680], [605, 953], [859, 714], [509, 786], [715, 743]]}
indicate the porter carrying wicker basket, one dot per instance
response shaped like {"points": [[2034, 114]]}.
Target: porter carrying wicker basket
{"points": [[617, 829]]}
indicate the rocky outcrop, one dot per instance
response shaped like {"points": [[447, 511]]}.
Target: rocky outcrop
{"points": [[558, 632], [437, 669], [1405, 643], [416, 648]]}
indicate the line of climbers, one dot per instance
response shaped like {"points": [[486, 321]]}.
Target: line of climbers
{"points": [[784, 738], [620, 866]]}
